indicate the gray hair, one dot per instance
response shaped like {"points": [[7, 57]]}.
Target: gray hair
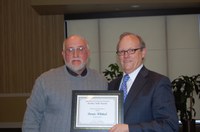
{"points": [[86, 42], [142, 43]]}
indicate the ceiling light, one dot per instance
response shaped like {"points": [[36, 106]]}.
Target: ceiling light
{"points": [[135, 6]]}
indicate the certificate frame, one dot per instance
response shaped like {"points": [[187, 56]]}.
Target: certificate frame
{"points": [[96, 111]]}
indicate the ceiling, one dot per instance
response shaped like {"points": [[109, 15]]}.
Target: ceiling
{"points": [[74, 7]]}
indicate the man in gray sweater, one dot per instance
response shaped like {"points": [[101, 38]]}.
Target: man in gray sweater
{"points": [[49, 106]]}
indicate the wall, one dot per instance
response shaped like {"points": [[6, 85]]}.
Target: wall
{"points": [[29, 45]]}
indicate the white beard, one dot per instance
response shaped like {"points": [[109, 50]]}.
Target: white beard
{"points": [[76, 68]]}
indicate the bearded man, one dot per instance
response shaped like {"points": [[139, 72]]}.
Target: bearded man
{"points": [[49, 106]]}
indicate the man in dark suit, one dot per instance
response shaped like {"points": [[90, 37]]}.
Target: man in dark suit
{"points": [[149, 102]]}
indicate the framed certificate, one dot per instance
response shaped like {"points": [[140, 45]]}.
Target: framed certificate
{"points": [[96, 110]]}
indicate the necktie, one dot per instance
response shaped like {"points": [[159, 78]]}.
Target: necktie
{"points": [[123, 86]]}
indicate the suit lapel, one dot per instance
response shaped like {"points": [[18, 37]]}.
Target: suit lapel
{"points": [[136, 87], [117, 84]]}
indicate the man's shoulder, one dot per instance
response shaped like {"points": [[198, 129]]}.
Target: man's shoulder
{"points": [[148, 72], [93, 71], [53, 72], [95, 74], [157, 74], [153, 75], [114, 84]]}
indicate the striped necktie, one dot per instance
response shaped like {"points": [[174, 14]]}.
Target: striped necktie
{"points": [[124, 86]]}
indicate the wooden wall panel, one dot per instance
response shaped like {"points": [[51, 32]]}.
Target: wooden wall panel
{"points": [[12, 110], [29, 45]]}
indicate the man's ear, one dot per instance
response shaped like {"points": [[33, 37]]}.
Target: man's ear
{"points": [[63, 55], [144, 51], [88, 52]]}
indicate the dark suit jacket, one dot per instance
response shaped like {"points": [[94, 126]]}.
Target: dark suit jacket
{"points": [[149, 105]]}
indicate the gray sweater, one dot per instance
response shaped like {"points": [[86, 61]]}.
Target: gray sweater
{"points": [[49, 106]]}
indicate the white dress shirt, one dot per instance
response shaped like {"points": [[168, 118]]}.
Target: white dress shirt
{"points": [[132, 78]]}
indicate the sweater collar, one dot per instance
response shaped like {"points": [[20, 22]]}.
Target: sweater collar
{"points": [[75, 74]]}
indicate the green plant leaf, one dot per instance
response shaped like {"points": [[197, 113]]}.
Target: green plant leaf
{"points": [[183, 89], [112, 72]]}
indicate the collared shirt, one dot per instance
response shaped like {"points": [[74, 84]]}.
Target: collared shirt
{"points": [[75, 74], [132, 76]]}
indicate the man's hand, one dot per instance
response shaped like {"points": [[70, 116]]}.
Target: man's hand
{"points": [[119, 128]]}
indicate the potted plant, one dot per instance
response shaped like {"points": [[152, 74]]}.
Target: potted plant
{"points": [[183, 88], [112, 72]]}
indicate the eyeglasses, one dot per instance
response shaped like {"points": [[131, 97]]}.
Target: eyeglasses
{"points": [[129, 51], [71, 50]]}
